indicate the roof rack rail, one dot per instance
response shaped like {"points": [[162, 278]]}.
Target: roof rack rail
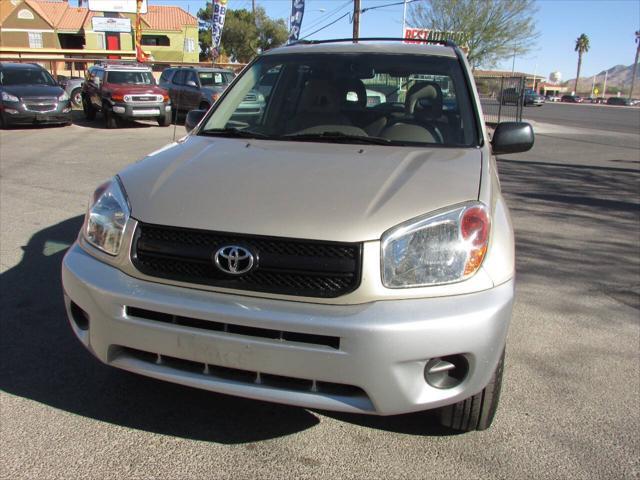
{"points": [[445, 42]]}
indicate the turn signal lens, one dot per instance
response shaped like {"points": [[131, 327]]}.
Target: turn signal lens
{"points": [[117, 97], [474, 228], [215, 97]]}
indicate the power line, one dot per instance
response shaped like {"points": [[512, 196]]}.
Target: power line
{"points": [[363, 10], [328, 15]]}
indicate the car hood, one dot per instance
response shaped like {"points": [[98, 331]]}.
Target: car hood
{"points": [[33, 90], [297, 189]]}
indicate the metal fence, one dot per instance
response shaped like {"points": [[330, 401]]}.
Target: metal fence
{"points": [[502, 98]]}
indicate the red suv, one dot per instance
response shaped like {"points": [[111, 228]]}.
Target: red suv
{"points": [[124, 92]]}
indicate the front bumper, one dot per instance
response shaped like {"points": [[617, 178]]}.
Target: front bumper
{"points": [[18, 114], [140, 110], [380, 361]]}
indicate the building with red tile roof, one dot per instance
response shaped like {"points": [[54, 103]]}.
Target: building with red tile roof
{"points": [[168, 32]]}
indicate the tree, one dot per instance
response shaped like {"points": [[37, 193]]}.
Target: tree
{"points": [[491, 30], [582, 46], [244, 35], [635, 64], [271, 33]]}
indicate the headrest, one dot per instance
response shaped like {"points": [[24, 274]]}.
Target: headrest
{"points": [[353, 87], [320, 96], [424, 99]]}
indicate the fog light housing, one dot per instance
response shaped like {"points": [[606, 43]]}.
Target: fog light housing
{"points": [[117, 109], [79, 316], [446, 372], [11, 111]]}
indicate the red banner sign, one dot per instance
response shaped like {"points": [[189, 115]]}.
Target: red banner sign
{"points": [[416, 35]]}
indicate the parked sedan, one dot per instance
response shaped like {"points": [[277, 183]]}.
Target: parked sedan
{"points": [[620, 101], [571, 99], [73, 87], [30, 95]]}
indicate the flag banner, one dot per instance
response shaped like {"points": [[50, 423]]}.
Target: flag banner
{"points": [[295, 22], [217, 23]]}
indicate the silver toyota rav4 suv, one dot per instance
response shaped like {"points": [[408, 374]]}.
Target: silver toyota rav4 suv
{"points": [[334, 254]]}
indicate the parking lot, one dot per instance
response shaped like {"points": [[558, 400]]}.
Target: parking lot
{"points": [[569, 406]]}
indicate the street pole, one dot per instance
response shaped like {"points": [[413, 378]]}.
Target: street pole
{"points": [[356, 20], [404, 19], [513, 64], [604, 87], [635, 64], [593, 84]]}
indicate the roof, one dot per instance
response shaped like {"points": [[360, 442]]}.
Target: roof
{"points": [[21, 66], [367, 47], [61, 15], [160, 17]]}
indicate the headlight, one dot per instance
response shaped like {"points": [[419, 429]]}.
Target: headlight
{"points": [[107, 216], [7, 97], [442, 248], [63, 97]]}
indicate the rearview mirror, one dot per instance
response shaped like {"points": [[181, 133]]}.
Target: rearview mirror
{"points": [[512, 137], [191, 83], [193, 119]]}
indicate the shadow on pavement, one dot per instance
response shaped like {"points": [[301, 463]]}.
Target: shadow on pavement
{"points": [[41, 359], [591, 216]]}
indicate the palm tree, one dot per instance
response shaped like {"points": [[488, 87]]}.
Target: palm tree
{"points": [[582, 46]]}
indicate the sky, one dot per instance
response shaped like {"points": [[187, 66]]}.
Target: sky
{"points": [[609, 24]]}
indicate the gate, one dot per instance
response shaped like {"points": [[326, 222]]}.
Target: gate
{"points": [[502, 97]]}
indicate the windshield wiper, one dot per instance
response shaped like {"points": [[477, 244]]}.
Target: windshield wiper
{"points": [[233, 132], [338, 137]]}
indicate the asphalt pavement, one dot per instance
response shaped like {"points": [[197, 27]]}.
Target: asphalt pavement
{"points": [[571, 392]]}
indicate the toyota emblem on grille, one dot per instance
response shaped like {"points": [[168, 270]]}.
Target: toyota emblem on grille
{"points": [[234, 260]]}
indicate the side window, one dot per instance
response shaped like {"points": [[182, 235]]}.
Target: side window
{"points": [[179, 77], [166, 75], [191, 77]]}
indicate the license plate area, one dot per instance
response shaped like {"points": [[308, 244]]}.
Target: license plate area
{"points": [[146, 111]]}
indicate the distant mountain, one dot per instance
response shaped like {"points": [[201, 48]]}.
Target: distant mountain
{"points": [[618, 76]]}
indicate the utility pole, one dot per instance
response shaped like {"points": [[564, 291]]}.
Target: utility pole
{"points": [[604, 87], [635, 64], [356, 20], [253, 7], [404, 16]]}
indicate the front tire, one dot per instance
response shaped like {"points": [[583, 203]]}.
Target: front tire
{"points": [[76, 97], [476, 412], [165, 120]]}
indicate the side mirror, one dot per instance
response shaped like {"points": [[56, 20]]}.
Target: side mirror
{"points": [[512, 137], [193, 118], [191, 83]]}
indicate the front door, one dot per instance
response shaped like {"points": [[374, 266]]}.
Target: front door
{"points": [[113, 43]]}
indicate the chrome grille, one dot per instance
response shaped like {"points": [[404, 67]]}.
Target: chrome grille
{"points": [[40, 104], [146, 98], [250, 97]]}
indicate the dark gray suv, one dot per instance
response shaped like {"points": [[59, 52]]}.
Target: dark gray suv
{"points": [[193, 88]]}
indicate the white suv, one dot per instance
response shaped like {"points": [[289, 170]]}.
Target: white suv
{"points": [[334, 253]]}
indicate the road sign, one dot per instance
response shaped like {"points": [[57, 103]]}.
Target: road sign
{"points": [[121, 6], [596, 91]]}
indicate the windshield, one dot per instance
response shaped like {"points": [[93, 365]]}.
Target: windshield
{"points": [[391, 99], [135, 78], [26, 77], [214, 79]]}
